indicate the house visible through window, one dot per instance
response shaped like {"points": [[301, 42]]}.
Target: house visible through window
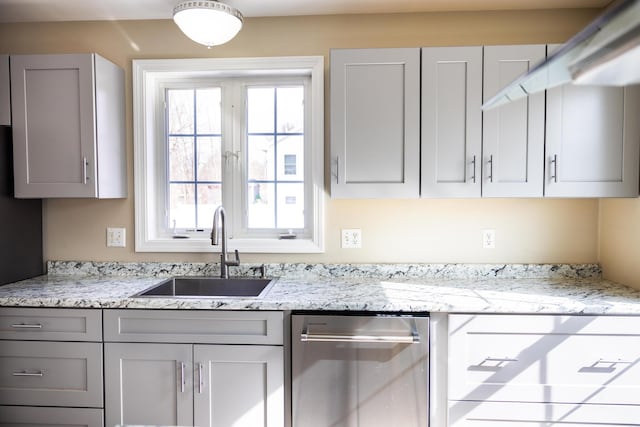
{"points": [[246, 139]]}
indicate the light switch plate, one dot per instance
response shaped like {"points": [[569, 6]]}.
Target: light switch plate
{"points": [[116, 237]]}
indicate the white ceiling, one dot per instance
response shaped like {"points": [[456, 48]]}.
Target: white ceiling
{"points": [[83, 10]]}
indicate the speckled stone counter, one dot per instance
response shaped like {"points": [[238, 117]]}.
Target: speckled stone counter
{"points": [[451, 288]]}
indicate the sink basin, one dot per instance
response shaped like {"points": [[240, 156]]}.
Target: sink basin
{"points": [[208, 287]]}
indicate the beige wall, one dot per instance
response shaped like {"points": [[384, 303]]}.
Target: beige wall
{"points": [[531, 231], [620, 240]]}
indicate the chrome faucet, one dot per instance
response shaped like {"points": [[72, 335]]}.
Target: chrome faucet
{"points": [[219, 233]]}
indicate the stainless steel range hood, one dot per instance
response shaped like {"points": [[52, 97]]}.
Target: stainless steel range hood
{"points": [[606, 52]]}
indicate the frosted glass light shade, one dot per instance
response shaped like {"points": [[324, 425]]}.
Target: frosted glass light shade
{"points": [[207, 22]]}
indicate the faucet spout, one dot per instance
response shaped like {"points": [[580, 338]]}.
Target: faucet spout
{"points": [[219, 237]]}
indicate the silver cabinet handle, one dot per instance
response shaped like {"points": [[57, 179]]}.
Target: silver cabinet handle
{"points": [[604, 366], [473, 162], [200, 378], [337, 170], [84, 170], [490, 168], [28, 374], [27, 326], [181, 377], [554, 164], [414, 338]]}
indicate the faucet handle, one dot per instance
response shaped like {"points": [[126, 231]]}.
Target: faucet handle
{"points": [[237, 260]]}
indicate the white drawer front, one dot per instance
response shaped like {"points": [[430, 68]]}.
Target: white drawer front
{"points": [[561, 359], [50, 417], [494, 414], [189, 326], [50, 324], [46, 373]]}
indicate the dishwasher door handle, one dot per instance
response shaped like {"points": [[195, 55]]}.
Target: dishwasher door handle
{"points": [[305, 336]]}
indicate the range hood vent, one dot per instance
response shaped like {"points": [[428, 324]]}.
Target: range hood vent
{"points": [[606, 52]]}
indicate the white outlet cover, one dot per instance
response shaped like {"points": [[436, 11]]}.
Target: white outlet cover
{"points": [[116, 237], [489, 239], [351, 238]]}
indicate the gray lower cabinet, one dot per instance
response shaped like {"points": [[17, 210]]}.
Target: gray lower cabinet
{"points": [[205, 368], [51, 367]]}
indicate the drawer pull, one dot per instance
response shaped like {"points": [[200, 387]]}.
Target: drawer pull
{"points": [[28, 374], [492, 364], [27, 326], [604, 366], [181, 377]]}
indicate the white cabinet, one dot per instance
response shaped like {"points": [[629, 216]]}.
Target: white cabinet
{"points": [[68, 126], [593, 140], [5, 98], [169, 368], [51, 367], [512, 134], [535, 369], [375, 123], [451, 121]]}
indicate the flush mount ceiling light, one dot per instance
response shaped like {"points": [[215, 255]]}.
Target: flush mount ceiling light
{"points": [[207, 22]]}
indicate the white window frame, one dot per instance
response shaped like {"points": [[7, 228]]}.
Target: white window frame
{"points": [[149, 76]]}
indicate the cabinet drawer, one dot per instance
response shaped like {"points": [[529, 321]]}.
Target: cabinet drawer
{"points": [[50, 324], [54, 417], [492, 414], [186, 326], [561, 359], [50, 373]]}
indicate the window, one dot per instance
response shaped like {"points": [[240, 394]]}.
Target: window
{"points": [[244, 133]]}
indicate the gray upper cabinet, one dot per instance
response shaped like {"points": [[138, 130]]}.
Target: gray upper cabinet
{"points": [[68, 126], [593, 137], [5, 99], [375, 128], [513, 134], [451, 121]]}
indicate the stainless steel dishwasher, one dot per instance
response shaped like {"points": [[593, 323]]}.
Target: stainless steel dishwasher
{"points": [[360, 370]]}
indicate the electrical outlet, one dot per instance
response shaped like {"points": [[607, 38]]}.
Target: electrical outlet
{"points": [[116, 237], [351, 238], [489, 239]]}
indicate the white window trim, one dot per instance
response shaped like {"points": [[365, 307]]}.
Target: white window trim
{"points": [[146, 72]]}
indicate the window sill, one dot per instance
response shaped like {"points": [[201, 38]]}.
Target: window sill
{"points": [[242, 245]]}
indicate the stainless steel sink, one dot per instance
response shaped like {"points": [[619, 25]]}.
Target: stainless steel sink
{"points": [[209, 287]]}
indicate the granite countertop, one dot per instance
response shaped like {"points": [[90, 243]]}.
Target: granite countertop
{"points": [[560, 289]]}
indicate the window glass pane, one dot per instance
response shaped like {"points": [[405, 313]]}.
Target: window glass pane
{"points": [[209, 198], [291, 109], [261, 206], [180, 111], [181, 159], [292, 148], [290, 206], [260, 158], [182, 205], [209, 158], [260, 105], [209, 117]]}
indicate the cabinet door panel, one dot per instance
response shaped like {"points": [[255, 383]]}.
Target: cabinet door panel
{"points": [[47, 91], [51, 373], [513, 134], [451, 121], [148, 384], [593, 141], [375, 123], [240, 385]]}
